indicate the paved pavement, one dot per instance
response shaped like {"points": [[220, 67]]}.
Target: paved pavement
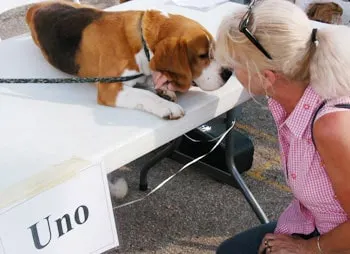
{"points": [[192, 213]]}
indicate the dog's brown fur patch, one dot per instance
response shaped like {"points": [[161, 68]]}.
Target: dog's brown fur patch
{"points": [[110, 44]]}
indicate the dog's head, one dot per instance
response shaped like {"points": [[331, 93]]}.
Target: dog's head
{"points": [[329, 13], [185, 56]]}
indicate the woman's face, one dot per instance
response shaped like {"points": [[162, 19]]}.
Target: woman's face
{"points": [[254, 85]]}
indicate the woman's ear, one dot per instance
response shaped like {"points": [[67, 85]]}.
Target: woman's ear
{"points": [[269, 79]]}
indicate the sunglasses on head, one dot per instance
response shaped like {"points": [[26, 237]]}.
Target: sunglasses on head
{"points": [[243, 28]]}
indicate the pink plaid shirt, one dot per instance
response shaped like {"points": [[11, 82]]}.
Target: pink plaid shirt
{"points": [[315, 204]]}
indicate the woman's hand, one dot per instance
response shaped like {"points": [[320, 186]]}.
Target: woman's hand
{"points": [[279, 243]]}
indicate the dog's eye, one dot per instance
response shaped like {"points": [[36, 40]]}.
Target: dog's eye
{"points": [[204, 56]]}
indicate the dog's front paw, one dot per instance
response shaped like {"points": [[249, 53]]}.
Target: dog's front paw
{"points": [[167, 94], [171, 111]]}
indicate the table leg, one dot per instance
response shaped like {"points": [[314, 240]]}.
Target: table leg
{"points": [[236, 175], [167, 151]]}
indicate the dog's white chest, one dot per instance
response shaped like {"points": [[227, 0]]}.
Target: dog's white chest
{"points": [[142, 61], [133, 82]]}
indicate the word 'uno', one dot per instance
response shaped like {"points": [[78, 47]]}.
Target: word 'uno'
{"points": [[79, 218]]}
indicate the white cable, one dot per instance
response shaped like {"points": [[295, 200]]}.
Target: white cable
{"points": [[201, 141], [180, 170]]}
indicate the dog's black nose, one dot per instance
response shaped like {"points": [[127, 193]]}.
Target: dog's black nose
{"points": [[225, 74]]}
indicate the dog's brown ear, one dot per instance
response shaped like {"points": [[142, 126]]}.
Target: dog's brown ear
{"points": [[171, 58]]}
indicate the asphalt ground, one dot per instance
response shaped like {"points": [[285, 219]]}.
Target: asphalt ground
{"points": [[192, 213]]}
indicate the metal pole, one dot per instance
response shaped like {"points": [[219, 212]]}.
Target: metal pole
{"points": [[241, 183]]}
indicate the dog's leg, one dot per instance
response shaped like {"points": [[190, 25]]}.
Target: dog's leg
{"points": [[126, 96], [107, 93], [117, 95], [134, 98]]}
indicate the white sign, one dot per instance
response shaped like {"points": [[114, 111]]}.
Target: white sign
{"points": [[73, 217]]}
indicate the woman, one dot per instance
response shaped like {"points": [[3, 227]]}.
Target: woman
{"points": [[274, 51]]}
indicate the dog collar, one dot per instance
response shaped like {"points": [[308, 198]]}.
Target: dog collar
{"points": [[144, 44]]}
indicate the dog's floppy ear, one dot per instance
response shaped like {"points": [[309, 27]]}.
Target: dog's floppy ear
{"points": [[171, 58]]}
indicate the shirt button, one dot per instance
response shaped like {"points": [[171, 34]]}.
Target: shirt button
{"points": [[309, 141], [306, 106], [294, 176]]}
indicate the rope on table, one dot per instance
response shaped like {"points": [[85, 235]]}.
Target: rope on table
{"points": [[69, 80]]}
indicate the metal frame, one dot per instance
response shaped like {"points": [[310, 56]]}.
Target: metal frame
{"points": [[165, 152], [236, 179]]}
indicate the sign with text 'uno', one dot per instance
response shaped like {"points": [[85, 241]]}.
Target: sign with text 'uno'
{"points": [[73, 217]]}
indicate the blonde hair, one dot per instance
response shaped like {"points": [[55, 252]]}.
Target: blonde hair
{"points": [[284, 30]]}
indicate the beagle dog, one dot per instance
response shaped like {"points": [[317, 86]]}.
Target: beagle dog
{"points": [[172, 51]]}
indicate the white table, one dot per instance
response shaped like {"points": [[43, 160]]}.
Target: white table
{"points": [[47, 125], [44, 125]]}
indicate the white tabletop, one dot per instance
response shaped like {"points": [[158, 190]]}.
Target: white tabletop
{"points": [[45, 125]]}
